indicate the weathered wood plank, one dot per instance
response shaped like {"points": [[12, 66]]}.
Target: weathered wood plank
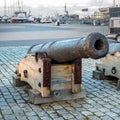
{"points": [[62, 84], [110, 65], [17, 82], [57, 95], [98, 75]]}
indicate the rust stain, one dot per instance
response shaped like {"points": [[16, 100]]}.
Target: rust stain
{"points": [[46, 72], [78, 72]]}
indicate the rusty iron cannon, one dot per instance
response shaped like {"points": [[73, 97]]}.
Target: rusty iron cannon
{"points": [[54, 69], [94, 46]]}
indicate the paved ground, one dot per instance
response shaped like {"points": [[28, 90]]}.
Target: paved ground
{"points": [[102, 101], [29, 34]]}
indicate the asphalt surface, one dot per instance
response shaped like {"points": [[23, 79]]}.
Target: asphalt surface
{"points": [[29, 34]]}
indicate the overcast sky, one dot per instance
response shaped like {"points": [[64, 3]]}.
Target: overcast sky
{"points": [[36, 3], [50, 6], [55, 2]]}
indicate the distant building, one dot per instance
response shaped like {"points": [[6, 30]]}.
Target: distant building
{"points": [[104, 12], [114, 12], [68, 18], [110, 12]]}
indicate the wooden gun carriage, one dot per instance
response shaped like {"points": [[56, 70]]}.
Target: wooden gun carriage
{"points": [[54, 69]]}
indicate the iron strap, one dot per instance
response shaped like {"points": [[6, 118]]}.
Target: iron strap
{"points": [[78, 71], [46, 72]]}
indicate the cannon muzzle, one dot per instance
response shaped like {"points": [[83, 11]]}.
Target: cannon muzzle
{"points": [[95, 46]]}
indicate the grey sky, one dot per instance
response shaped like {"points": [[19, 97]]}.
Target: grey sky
{"points": [[49, 7], [36, 3]]}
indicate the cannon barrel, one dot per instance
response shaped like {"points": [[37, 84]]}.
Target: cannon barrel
{"points": [[95, 46], [114, 47]]}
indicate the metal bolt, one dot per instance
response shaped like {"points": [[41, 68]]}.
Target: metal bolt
{"points": [[113, 70], [19, 75], [39, 84], [25, 73], [39, 70]]}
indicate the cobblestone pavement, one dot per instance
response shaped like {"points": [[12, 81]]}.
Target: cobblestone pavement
{"points": [[102, 101]]}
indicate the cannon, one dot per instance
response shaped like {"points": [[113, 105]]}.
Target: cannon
{"points": [[109, 66], [54, 69], [94, 46]]}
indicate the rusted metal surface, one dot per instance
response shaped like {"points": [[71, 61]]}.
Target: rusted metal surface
{"points": [[25, 73], [95, 46], [78, 72], [46, 72], [39, 55]]}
